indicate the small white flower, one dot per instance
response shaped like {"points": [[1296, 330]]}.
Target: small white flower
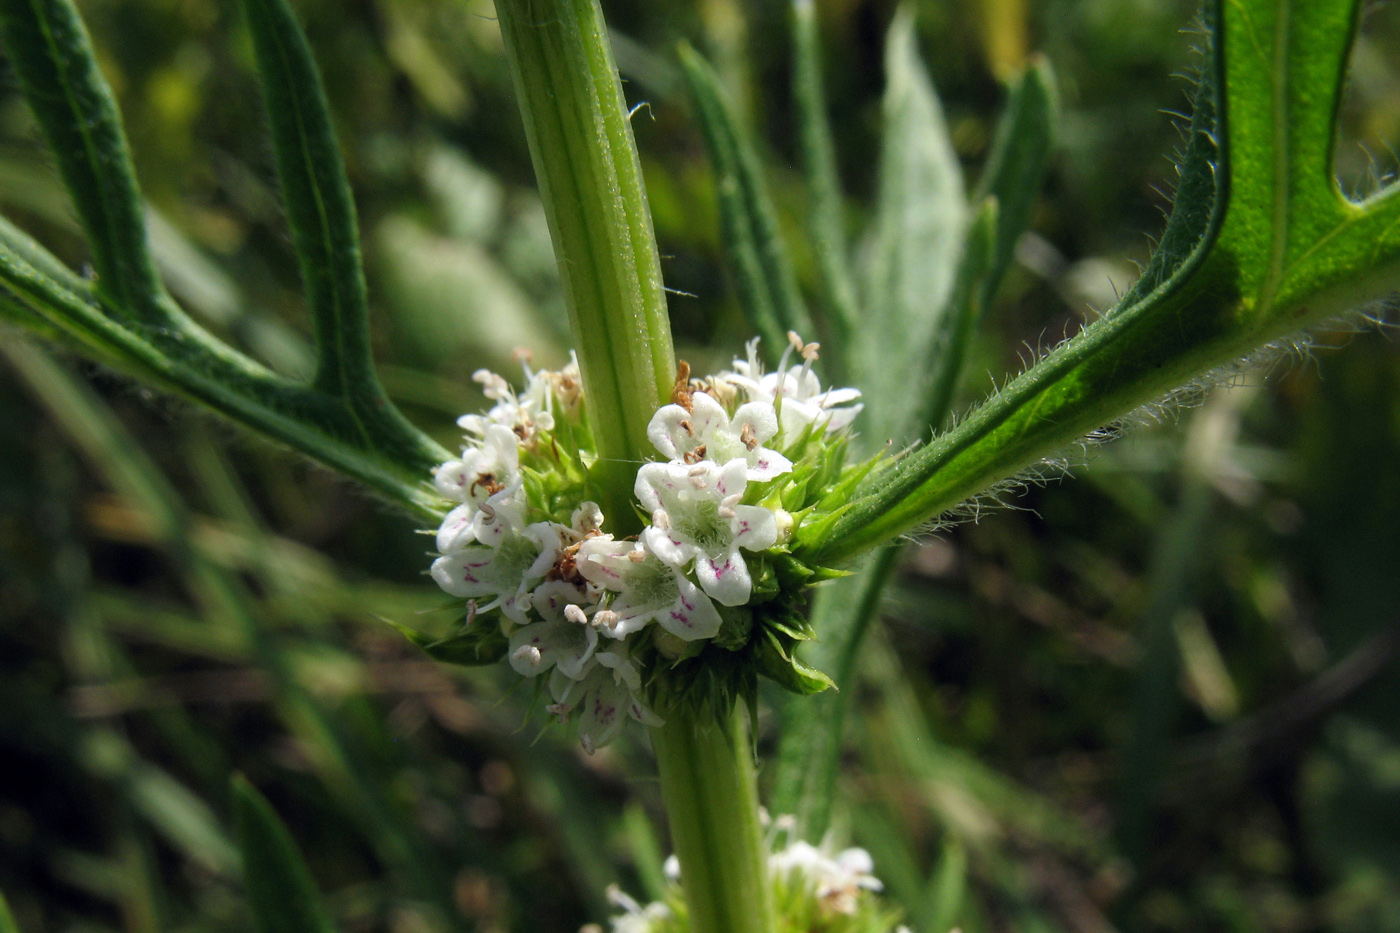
{"points": [[796, 392], [706, 432], [507, 564], [648, 589], [605, 697], [696, 515], [558, 640], [483, 469], [637, 919], [524, 413], [836, 882]]}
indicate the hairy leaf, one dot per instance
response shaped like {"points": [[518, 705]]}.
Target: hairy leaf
{"points": [[1261, 244]]}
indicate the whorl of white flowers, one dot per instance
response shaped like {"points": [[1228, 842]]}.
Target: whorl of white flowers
{"points": [[813, 887], [743, 451]]}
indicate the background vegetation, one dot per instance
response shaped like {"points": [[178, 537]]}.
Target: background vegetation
{"points": [[1159, 697]]}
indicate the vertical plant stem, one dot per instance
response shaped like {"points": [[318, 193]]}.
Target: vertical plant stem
{"points": [[711, 795], [590, 179]]}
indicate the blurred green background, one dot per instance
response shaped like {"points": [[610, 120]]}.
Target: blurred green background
{"points": [[1162, 696]]}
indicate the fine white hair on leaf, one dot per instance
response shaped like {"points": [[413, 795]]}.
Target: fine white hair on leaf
{"points": [[1295, 350]]}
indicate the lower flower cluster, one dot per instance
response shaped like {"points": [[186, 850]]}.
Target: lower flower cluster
{"points": [[745, 456], [813, 889]]}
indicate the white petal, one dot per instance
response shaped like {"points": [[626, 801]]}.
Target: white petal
{"points": [[466, 573], [668, 547], [456, 531], [638, 711], [666, 433], [549, 599], [730, 479], [692, 615], [726, 578], [755, 528], [604, 561], [708, 416], [624, 671], [451, 480], [549, 537], [652, 479], [761, 418], [605, 708], [765, 464]]}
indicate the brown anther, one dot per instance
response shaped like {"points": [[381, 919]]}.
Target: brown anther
{"points": [[687, 427], [486, 481], [566, 567], [695, 456], [522, 355], [680, 393], [747, 437]]}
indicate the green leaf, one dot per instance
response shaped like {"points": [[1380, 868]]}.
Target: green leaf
{"points": [[281, 895], [7, 919], [319, 205], [826, 212], [918, 242], [382, 451], [53, 59], [585, 159], [1015, 168], [754, 246], [957, 324], [1260, 245], [476, 644]]}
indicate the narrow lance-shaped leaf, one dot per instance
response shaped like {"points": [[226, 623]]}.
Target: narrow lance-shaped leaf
{"points": [[53, 59], [7, 919], [590, 179], [919, 232], [1015, 168], [754, 246], [1261, 244], [826, 212], [320, 208], [281, 894]]}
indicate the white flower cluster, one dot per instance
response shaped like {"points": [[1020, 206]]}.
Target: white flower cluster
{"points": [[572, 598], [831, 883]]}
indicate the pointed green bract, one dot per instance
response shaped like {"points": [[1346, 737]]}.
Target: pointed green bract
{"points": [[754, 246], [281, 894], [1261, 245]]}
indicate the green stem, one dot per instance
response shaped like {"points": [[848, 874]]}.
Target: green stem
{"points": [[590, 179], [711, 795]]}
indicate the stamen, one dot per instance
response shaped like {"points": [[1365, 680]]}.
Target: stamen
{"points": [[528, 653], [574, 613]]}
